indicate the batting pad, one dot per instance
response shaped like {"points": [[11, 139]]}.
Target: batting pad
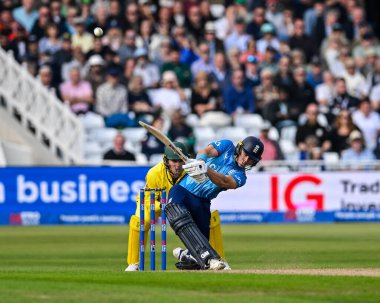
{"points": [[186, 229]]}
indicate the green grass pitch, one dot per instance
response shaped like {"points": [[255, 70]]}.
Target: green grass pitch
{"points": [[86, 264]]}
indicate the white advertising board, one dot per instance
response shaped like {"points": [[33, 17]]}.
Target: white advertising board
{"points": [[325, 191]]}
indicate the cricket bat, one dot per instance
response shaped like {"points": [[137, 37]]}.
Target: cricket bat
{"points": [[164, 139]]}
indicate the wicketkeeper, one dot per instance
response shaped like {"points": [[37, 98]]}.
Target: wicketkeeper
{"points": [[164, 175]]}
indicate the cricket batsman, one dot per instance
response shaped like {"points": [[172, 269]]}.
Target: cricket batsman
{"points": [[164, 175], [218, 167]]}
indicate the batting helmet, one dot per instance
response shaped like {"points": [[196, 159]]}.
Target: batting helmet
{"points": [[253, 147]]}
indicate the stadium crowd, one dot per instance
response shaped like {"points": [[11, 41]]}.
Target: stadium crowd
{"points": [[310, 64]]}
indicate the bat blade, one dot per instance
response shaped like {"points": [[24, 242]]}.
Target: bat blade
{"points": [[164, 139]]}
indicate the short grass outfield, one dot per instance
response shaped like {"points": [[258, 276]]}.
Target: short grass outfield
{"points": [[86, 264]]}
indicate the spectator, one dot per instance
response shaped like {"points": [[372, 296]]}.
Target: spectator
{"points": [[355, 81], [311, 16], [25, 14], [233, 58], [251, 51], [95, 75], [254, 27], [51, 42], [300, 40], [56, 16], [194, 22], [312, 128], [179, 131], [39, 27], [272, 149], [224, 25], [252, 71], [170, 96], [115, 15], [181, 70], [269, 60], [205, 9], [373, 78], [111, 101], [215, 45], [368, 122], [357, 150], [324, 92], [78, 60], [118, 152], [276, 111], [151, 145], [314, 76], [132, 16], [148, 71], [342, 128], [302, 94], [203, 97], [368, 43], [138, 99], [45, 76], [143, 40], [284, 75], [19, 42], [204, 63], [269, 39], [238, 97], [375, 98], [128, 48], [324, 25], [81, 38], [128, 71], [160, 53], [220, 76], [266, 91], [282, 20], [77, 92], [238, 38], [61, 57], [342, 99]]}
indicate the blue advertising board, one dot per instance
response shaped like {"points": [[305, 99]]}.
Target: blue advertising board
{"points": [[69, 195]]}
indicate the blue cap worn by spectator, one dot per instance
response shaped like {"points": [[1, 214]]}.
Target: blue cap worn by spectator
{"points": [[252, 59], [267, 28]]}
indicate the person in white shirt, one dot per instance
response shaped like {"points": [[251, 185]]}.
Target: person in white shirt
{"points": [[148, 71], [170, 97], [368, 122], [375, 97], [325, 92], [356, 84]]}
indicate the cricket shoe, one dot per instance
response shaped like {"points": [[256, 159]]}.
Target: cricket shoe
{"points": [[133, 267], [216, 264], [227, 266]]}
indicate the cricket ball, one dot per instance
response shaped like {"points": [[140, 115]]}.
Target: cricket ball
{"points": [[98, 32]]}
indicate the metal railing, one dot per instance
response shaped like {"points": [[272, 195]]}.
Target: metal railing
{"points": [[39, 111]]}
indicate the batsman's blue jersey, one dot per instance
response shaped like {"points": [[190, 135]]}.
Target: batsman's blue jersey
{"points": [[225, 164]]}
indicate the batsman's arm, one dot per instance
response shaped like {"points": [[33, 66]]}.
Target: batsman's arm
{"points": [[221, 180]]}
